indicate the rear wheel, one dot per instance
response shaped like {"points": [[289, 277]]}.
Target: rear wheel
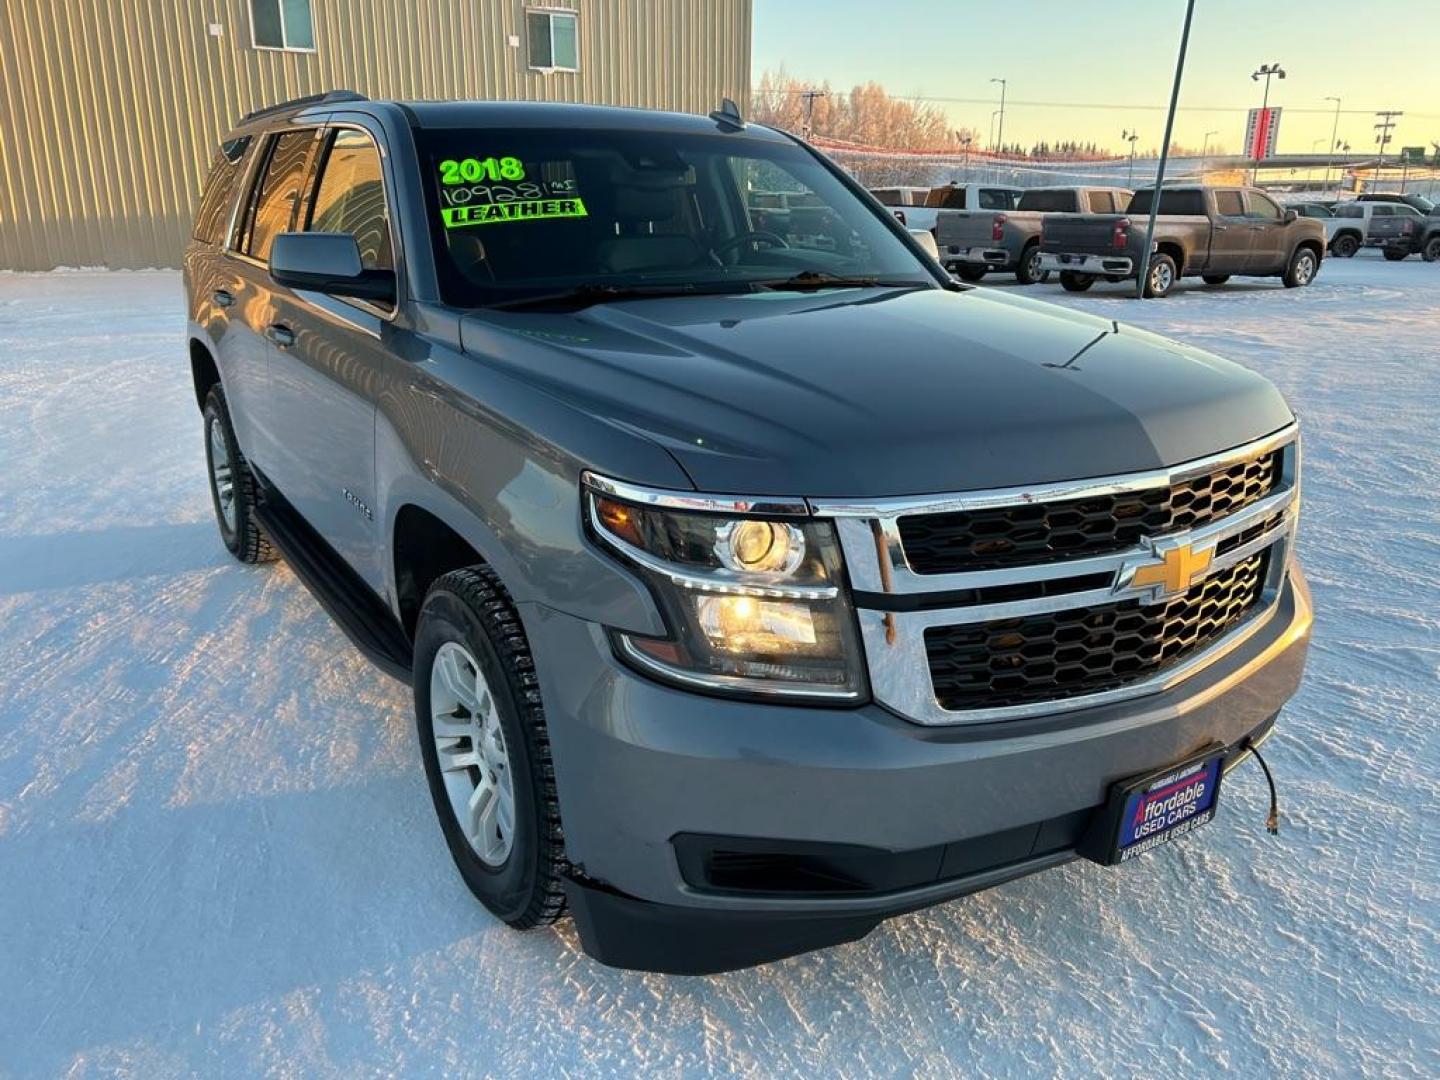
{"points": [[1027, 271], [1215, 279], [1160, 278], [1303, 265], [232, 485], [1072, 282], [969, 273], [486, 748], [1345, 246], [1431, 251], [1396, 254]]}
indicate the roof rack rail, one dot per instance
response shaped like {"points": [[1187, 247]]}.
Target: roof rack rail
{"points": [[302, 102]]}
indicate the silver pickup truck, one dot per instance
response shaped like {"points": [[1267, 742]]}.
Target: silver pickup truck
{"points": [[972, 243]]}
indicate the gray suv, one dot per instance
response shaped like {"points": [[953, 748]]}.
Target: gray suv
{"points": [[756, 582]]}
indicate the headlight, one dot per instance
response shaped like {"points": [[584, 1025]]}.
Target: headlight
{"points": [[754, 605]]}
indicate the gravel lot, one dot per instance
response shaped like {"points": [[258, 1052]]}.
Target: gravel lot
{"points": [[217, 852]]}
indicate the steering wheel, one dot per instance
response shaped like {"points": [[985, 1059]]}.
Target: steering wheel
{"points": [[764, 236]]}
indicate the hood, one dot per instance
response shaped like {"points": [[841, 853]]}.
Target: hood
{"points": [[873, 392]]}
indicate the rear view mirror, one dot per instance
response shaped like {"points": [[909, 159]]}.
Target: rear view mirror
{"points": [[328, 263], [926, 239]]}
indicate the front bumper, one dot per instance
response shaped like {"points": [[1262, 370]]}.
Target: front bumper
{"points": [[1086, 264], [641, 766]]}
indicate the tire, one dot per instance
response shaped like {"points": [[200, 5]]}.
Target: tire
{"points": [[469, 636], [1396, 254], [1160, 277], [1345, 246], [969, 273], [1027, 271], [1304, 265], [1431, 251], [232, 485], [1215, 279], [1072, 282], [1114, 279]]}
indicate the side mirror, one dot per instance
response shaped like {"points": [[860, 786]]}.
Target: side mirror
{"points": [[926, 239], [328, 263], [1291, 215]]}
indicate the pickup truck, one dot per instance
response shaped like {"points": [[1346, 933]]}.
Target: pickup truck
{"points": [[751, 588], [974, 242], [1211, 233], [1401, 236], [1359, 224], [928, 205]]}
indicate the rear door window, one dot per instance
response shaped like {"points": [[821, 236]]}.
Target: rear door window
{"points": [[1102, 202], [1172, 203], [997, 199], [279, 193], [1229, 204], [1049, 202], [351, 197]]}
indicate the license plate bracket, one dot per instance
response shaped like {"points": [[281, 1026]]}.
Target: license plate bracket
{"points": [[1146, 811]]}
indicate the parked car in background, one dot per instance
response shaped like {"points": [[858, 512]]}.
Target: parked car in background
{"points": [[1401, 236], [1211, 233], [1312, 209], [1355, 223], [975, 242], [1418, 202], [924, 213]]}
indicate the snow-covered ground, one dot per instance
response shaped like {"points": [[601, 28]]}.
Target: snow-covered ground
{"points": [[217, 853]]}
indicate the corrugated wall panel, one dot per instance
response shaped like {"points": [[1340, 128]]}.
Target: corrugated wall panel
{"points": [[110, 109]]}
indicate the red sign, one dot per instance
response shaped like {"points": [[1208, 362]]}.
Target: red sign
{"points": [[1261, 131]]}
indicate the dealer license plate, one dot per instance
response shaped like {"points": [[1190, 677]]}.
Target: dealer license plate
{"points": [[1146, 811]]}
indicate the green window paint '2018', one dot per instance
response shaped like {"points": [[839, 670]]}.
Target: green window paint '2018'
{"points": [[468, 170], [530, 210]]}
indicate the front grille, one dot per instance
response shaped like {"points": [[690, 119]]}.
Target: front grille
{"points": [[1063, 654], [1031, 533]]}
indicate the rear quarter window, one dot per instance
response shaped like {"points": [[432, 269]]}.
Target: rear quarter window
{"points": [[218, 197]]}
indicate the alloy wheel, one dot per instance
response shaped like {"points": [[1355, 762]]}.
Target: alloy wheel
{"points": [[222, 474]]}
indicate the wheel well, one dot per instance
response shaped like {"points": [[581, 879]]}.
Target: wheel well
{"points": [[203, 371], [1314, 245], [1345, 232], [1176, 253], [424, 548]]}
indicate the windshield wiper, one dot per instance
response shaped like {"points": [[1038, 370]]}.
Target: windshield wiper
{"points": [[823, 279], [585, 295]]}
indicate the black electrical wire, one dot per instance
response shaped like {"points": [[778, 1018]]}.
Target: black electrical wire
{"points": [[1272, 823]]}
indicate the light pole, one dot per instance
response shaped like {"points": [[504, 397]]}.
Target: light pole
{"points": [[965, 144], [1205, 152], [1267, 70], [1341, 147], [1334, 142], [1143, 276], [1131, 136], [1000, 138]]}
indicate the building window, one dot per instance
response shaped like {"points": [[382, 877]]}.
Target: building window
{"points": [[282, 24], [552, 37]]}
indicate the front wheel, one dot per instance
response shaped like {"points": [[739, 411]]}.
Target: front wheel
{"points": [[1073, 282], [1301, 271], [1431, 251], [1160, 278], [1214, 279], [1345, 246], [1027, 271], [486, 748]]}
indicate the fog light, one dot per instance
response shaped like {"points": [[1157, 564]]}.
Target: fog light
{"points": [[745, 624]]}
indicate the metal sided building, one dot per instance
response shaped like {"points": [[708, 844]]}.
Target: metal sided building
{"points": [[110, 109]]}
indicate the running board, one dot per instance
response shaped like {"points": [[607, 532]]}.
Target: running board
{"points": [[364, 618]]}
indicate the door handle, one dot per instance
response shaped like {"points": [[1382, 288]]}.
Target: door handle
{"points": [[224, 297], [280, 334]]}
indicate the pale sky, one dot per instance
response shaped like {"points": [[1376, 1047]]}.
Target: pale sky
{"points": [[1095, 69]]}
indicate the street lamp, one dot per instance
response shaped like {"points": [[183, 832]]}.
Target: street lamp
{"points": [[1131, 136], [1266, 70], [1334, 142], [965, 143], [1000, 139], [1205, 152]]}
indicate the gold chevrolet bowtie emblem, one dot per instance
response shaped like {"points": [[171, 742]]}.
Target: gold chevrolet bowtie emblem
{"points": [[1177, 573]]}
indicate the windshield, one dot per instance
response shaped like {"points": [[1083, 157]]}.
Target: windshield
{"points": [[538, 211]]}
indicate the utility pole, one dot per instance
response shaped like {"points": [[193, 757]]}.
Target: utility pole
{"points": [[965, 142], [1341, 147], [1000, 139], [1383, 137], [1267, 70], [1334, 142], [1205, 152], [810, 94], [1164, 155], [1434, 166], [1131, 136]]}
